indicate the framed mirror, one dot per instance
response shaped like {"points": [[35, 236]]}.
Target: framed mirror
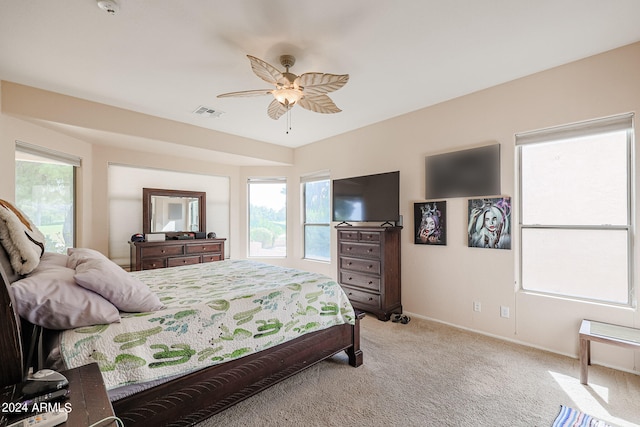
{"points": [[169, 211]]}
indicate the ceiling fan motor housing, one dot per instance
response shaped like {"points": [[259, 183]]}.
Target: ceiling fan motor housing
{"points": [[287, 61]]}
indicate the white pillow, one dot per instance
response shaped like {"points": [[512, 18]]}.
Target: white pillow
{"points": [[50, 297], [21, 239], [123, 290], [79, 255], [53, 259]]}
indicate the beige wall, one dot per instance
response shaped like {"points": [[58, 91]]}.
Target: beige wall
{"points": [[443, 282], [438, 282]]}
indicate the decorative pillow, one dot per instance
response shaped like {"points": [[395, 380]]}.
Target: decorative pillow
{"points": [[51, 298], [79, 255], [123, 290], [21, 238]]}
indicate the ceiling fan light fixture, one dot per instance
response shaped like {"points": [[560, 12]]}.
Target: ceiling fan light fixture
{"points": [[288, 96], [309, 90]]}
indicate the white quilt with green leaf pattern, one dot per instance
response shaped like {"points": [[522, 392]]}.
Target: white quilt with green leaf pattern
{"points": [[215, 312]]}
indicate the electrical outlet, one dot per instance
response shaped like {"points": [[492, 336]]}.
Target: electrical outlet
{"points": [[504, 311], [477, 306]]}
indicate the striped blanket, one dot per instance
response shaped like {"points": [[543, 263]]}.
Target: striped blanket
{"points": [[569, 417]]}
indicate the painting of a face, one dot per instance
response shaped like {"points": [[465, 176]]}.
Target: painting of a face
{"points": [[429, 220], [489, 223]]}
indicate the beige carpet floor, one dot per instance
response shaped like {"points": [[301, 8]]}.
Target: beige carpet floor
{"points": [[428, 374]]}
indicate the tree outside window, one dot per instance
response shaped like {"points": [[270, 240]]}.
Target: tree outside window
{"points": [[45, 193], [267, 218]]}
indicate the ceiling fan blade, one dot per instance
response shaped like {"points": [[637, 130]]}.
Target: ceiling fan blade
{"points": [[267, 72], [320, 83], [245, 93], [276, 109], [319, 104]]}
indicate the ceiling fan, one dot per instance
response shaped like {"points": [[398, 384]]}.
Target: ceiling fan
{"points": [[307, 90]]}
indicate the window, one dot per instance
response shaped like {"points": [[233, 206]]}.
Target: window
{"points": [[45, 192], [575, 210], [267, 217], [317, 218]]}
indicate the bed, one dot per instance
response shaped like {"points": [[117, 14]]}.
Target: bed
{"points": [[266, 347]]}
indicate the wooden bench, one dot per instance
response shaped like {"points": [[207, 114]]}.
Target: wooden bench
{"points": [[622, 336]]}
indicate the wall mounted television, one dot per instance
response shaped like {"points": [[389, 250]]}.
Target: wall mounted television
{"points": [[463, 173], [368, 198]]}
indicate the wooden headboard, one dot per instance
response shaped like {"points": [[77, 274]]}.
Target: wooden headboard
{"points": [[11, 351]]}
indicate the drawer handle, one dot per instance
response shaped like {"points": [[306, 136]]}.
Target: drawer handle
{"points": [[370, 250], [371, 282], [349, 248], [350, 279], [350, 293], [349, 263], [370, 267], [163, 251], [370, 299], [184, 261]]}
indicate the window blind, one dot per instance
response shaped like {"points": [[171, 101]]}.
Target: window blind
{"points": [[36, 150], [576, 130]]}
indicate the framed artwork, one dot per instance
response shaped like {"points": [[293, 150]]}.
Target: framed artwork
{"points": [[490, 223], [430, 223]]}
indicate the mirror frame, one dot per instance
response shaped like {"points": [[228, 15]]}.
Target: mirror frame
{"points": [[148, 193]]}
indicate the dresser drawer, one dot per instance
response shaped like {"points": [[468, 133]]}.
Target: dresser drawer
{"points": [[360, 280], [360, 250], [371, 266], [183, 260], [151, 263], [362, 297], [203, 247], [212, 257], [165, 250], [348, 235], [369, 236]]}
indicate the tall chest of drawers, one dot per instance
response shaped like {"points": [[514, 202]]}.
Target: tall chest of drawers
{"points": [[369, 268], [172, 253]]}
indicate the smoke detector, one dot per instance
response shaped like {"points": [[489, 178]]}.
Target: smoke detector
{"points": [[109, 6]]}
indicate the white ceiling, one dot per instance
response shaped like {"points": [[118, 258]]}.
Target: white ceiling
{"points": [[168, 57]]}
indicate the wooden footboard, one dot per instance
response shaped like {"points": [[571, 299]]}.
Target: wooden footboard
{"points": [[195, 397]]}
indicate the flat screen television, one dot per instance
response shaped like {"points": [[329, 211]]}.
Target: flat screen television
{"points": [[464, 173], [369, 198]]}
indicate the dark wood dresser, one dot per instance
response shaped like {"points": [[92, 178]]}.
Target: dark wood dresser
{"points": [[172, 253], [369, 268]]}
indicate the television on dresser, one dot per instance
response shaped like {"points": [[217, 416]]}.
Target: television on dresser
{"points": [[367, 198]]}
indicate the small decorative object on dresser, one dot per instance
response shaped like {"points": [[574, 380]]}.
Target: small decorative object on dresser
{"points": [[369, 268], [172, 253]]}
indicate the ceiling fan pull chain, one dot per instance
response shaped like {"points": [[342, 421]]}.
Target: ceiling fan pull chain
{"points": [[288, 119]]}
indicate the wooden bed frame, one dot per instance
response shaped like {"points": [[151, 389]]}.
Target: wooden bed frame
{"points": [[194, 397]]}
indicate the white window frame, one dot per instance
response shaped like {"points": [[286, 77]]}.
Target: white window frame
{"points": [[26, 149], [303, 181], [556, 135]]}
